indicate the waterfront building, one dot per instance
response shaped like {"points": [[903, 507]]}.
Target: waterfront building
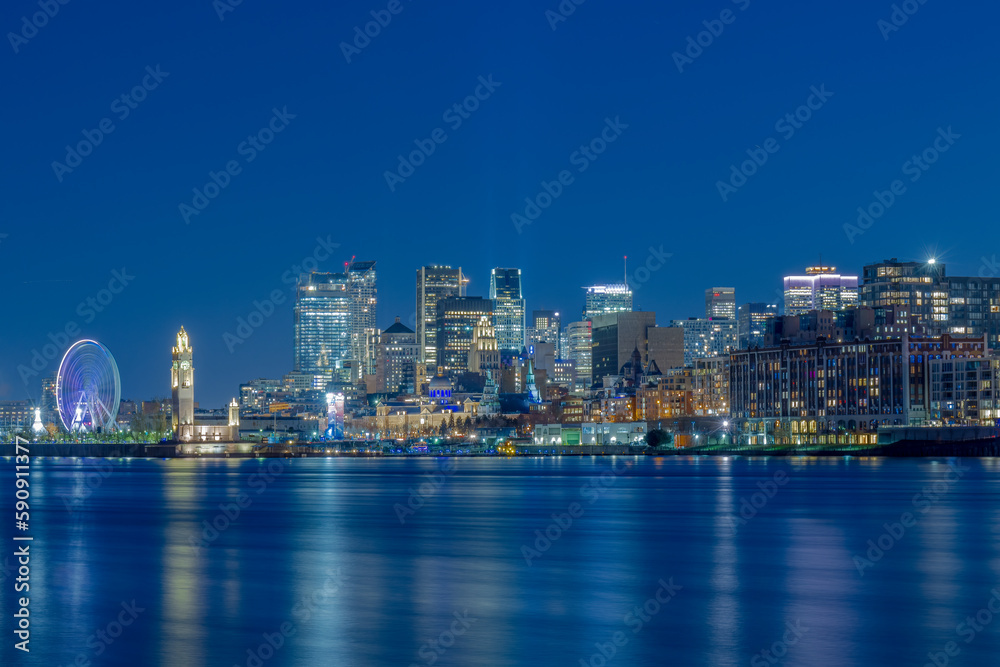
{"points": [[720, 303], [821, 288], [964, 391], [751, 323], [605, 299], [433, 284], [508, 308], [706, 337], [836, 393], [396, 360], [15, 416], [185, 427]]}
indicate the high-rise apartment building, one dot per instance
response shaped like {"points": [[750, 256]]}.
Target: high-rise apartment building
{"points": [[720, 303], [822, 288], [457, 320], [941, 303], [508, 308], [323, 324], [362, 288], [604, 299], [751, 323], [433, 284], [705, 338]]}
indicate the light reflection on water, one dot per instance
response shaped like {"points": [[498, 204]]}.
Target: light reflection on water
{"points": [[318, 548]]}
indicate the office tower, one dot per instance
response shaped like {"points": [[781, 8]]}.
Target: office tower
{"points": [[751, 323], [705, 338], [666, 347], [546, 328], [616, 336], [508, 308], [362, 287], [322, 324], [457, 319], [434, 283], [396, 360], [604, 299], [720, 303], [820, 289], [579, 342]]}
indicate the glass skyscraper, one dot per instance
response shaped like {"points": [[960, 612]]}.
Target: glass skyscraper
{"points": [[820, 289], [508, 308], [433, 284], [322, 323], [362, 288], [605, 299]]}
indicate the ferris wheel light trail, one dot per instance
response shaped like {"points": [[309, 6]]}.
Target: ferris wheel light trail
{"points": [[88, 388]]}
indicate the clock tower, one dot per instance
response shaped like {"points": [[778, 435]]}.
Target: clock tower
{"points": [[182, 386]]}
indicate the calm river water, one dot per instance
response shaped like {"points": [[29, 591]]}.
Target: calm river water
{"points": [[558, 561]]}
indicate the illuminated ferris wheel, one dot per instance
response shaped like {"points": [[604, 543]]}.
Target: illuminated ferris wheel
{"points": [[88, 388]]}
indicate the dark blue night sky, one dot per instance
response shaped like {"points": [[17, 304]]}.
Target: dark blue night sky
{"points": [[653, 191]]}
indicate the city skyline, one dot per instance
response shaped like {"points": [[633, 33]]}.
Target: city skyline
{"points": [[317, 193], [220, 391]]}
